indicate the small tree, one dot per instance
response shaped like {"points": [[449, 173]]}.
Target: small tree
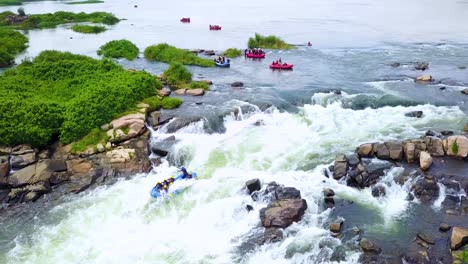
{"points": [[21, 12]]}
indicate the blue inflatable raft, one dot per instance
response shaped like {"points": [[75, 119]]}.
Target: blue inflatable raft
{"points": [[226, 64], [155, 193]]}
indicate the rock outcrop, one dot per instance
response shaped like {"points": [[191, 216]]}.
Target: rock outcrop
{"points": [[424, 78], [36, 172], [459, 238]]}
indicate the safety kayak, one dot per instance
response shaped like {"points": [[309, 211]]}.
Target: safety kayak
{"points": [[255, 56], [185, 20], [283, 66], [226, 64], [173, 190]]}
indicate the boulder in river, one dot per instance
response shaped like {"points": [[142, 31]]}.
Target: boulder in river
{"points": [[335, 227], [425, 160], [444, 227], [237, 84], [421, 66], [283, 213], [368, 246], [409, 150], [395, 150], [195, 92], [341, 166], [426, 189], [459, 238], [457, 146], [465, 128], [464, 91], [417, 114], [181, 122], [327, 192], [365, 150], [253, 185], [274, 191], [378, 191], [424, 78]]}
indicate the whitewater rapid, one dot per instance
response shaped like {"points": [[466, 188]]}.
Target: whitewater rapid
{"points": [[207, 223]]}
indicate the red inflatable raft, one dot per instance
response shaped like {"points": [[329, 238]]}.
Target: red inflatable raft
{"points": [[185, 20], [255, 56], [215, 27], [283, 66]]}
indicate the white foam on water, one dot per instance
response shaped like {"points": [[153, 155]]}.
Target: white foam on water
{"points": [[206, 222]]}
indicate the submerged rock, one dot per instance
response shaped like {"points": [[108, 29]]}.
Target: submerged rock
{"points": [[368, 246], [426, 189], [417, 114], [444, 227], [327, 192], [421, 66], [378, 191], [237, 84]]}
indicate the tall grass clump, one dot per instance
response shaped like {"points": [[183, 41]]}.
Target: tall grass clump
{"points": [[60, 95], [169, 54], [232, 53], [268, 42], [119, 49], [177, 74], [88, 29]]}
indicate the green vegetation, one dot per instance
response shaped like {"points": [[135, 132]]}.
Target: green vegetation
{"points": [[10, 2], [170, 54], [119, 49], [232, 53], [455, 148], [268, 42], [11, 43], [157, 102], [93, 138], [52, 20], [85, 2], [88, 29], [203, 85], [177, 74], [59, 95]]}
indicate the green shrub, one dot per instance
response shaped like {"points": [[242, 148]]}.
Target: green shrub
{"points": [[61, 17], [85, 2], [455, 148], [170, 102], [157, 103], [203, 85], [62, 95], [170, 54], [119, 49], [232, 53], [268, 42], [11, 43], [6, 58], [93, 138], [177, 74], [10, 2], [88, 29]]}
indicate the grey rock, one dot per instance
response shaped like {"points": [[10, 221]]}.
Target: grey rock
{"points": [[253, 185], [237, 84], [444, 227], [181, 122], [378, 191], [382, 151], [369, 246], [327, 192], [23, 160], [353, 160], [283, 213], [395, 150], [57, 165], [417, 114]]}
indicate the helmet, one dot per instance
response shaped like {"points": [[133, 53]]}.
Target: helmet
{"points": [[158, 183]]}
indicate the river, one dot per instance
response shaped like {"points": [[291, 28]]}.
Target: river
{"points": [[305, 124]]}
